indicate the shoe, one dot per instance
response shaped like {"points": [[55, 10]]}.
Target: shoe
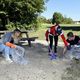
{"points": [[9, 60], [53, 56]]}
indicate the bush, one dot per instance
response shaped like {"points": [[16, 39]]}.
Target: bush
{"points": [[11, 26]]}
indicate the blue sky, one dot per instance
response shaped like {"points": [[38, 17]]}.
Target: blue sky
{"points": [[69, 8]]}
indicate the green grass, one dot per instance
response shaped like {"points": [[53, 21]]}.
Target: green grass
{"points": [[41, 32]]}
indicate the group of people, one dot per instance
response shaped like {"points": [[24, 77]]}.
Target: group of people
{"points": [[53, 32]]}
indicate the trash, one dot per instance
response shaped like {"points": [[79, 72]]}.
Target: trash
{"points": [[73, 53], [17, 55]]}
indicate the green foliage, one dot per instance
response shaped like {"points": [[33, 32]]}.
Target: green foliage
{"points": [[3, 20], [42, 19], [22, 11], [59, 18], [67, 20]]}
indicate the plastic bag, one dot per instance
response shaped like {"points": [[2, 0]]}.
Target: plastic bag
{"points": [[73, 53], [17, 55]]}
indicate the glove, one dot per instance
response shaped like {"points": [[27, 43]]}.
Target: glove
{"points": [[68, 47], [10, 45], [13, 46]]}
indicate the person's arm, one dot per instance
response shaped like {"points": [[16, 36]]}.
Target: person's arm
{"points": [[78, 40], [64, 39], [59, 31], [67, 45], [10, 45], [64, 50], [46, 35], [6, 40]]}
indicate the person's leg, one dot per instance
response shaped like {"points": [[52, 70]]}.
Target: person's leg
{"points": [[53, 56], [55, 43], [2, 46], [7, 53], [51, 42]]}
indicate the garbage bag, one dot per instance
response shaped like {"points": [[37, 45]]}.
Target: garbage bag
{"points": [[73, 53], [17, 55]]}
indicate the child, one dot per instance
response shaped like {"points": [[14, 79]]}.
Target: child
{"points": [[73, 39], [55, 31]]}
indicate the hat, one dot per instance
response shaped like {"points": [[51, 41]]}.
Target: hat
{"points": [[17, 30]]}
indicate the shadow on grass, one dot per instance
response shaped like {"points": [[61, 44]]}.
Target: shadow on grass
{"points": [[73, 28]]}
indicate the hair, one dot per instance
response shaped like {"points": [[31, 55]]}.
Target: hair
{"points": [[70, 34], [17, 30], [57, 22]]}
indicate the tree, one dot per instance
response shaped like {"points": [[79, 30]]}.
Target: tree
{"points": [[22, 11], [67, 20], [57, 17], [42, 19]]}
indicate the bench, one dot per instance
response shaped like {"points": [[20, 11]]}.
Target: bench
{"points": [[29, 39]]}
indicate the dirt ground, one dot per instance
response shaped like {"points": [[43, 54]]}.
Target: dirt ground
{"points": [[39, 66]]}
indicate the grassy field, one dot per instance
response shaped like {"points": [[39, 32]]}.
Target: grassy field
{"points": [[41, 31]]}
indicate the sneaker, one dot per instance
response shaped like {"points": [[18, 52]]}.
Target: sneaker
{"points": [[53, 56], [9, 60]]}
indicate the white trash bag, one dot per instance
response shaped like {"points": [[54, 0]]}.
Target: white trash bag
{"points": [[17, 55], [73, 53]]}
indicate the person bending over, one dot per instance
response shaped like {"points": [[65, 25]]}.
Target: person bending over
{"points": [[73, 39], [53, 32]]}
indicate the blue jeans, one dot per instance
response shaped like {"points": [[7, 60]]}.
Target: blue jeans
{"points": [[5, 50]]}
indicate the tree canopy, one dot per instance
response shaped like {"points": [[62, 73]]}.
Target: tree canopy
{"points": [[22, 11], [58, 17]]}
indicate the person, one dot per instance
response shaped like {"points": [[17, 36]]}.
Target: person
{"points": [[53, 32], [73, 39], [8, 43]]}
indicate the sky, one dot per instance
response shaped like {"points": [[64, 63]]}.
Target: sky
{"points": [[68, 8]]}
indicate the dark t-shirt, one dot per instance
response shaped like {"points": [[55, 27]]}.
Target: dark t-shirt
{"points": [[12, 40], [75, 41]]}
